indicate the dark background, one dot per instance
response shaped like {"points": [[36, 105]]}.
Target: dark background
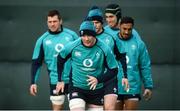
{"points": [[23, 21]]}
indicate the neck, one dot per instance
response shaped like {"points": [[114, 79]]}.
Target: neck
{"points": [[56, 32], [123, 38], [100, 31]]}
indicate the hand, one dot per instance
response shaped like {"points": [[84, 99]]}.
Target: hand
{"points": [[33, 89], [92, 82], [60, 87], [147, 94], [125, 83]]}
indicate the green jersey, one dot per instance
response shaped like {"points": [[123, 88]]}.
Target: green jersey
{"points": [[138, 65], [88, 61], [107, 39], [46, 49]]}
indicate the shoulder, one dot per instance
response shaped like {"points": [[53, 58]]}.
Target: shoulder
{"points": [[67, 49], [73, 44], [106, 27], [69, 31], [109, 35], [106, 33], [43, 36], [140, 42], [110, 31], [104, 47], [136, 34]]}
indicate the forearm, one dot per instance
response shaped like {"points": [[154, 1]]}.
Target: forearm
{"points": [[122, 58], [124, 64], [110, 73], [60, 66], [35, 68]]}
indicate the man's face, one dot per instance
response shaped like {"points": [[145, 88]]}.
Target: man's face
{"points": [[54, 23], [98, 25], [111, 19], [126, 30], [88, 40]]}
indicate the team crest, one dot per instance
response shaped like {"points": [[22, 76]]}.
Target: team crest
{"points": [[133, 47], [48, 42], [107, 41], [78, 54], [97, 55], [67, 38]]}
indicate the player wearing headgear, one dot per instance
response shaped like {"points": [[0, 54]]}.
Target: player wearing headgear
{"points": [[113, 17]]}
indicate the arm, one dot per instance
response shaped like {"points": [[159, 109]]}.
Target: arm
{"points": [[122, 58], [145, 67], [36, 64], [136, 34], [145, 70], [37, 60], [60, 66], [110, 73], [111, 65]]}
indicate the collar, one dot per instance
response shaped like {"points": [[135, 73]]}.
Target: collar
{"points": [[100, 32], [57, 32], [125, 39]]}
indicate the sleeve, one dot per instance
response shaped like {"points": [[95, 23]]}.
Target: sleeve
{"points": [[110, 73], [111, 65], [62, 57], [122, 58], [60, 65], [75, 36], [37, 59], [145, 67], [136, 34], [72, 33]]}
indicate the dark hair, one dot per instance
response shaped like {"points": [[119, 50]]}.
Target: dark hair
{"points": [[52, 13], [127, 20]]}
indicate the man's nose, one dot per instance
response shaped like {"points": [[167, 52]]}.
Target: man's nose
{"points": [[126, 32], [86, 37]]}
